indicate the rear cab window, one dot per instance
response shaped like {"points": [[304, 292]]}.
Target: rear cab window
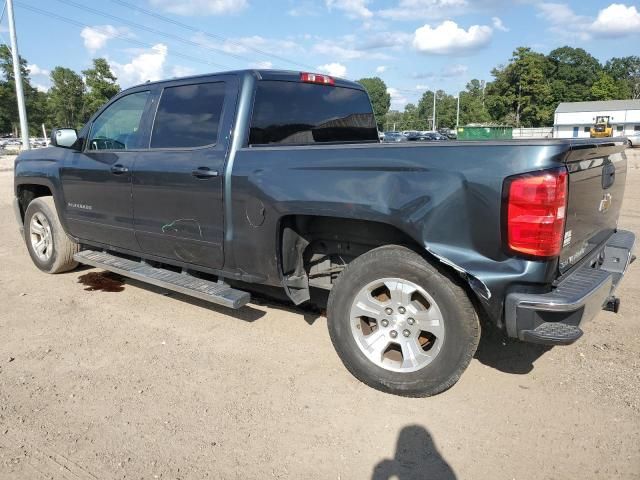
{"points": [[297, 113]]}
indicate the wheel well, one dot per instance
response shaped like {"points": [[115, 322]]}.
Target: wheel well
{"points": [[320, 247], [26, 194]]}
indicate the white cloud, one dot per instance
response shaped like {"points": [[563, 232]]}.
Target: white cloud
{"points": [[353, 8], [246, 44], [498, 25], [40, 87], [556, 12], [617, 20], [563, 21], [446, 73], [304, 9], [262, 65], [35, 70], [95, 38], [385, 40], [182, 71], [422, 9], [456, 70], [200, 7], [421, 86], [381, 69], [334, 69], [344, 49], [146, 65], [398, 100], [450, 39]]}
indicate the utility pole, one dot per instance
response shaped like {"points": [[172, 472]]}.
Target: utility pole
{"points": [[458, 113], [17, 74], [433, 119]]}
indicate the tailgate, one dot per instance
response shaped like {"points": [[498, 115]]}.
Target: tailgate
{"points": [[597, 176]]}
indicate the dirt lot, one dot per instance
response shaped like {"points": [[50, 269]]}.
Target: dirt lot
{"points": [[136, 384]]}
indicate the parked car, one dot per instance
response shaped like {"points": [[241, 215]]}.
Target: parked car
{"points": [[409, 133], [220, 184], [634, 139], [394, 137], [420, 137]]}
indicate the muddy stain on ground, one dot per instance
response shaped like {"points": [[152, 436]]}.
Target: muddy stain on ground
{"points": [[102, 281]]}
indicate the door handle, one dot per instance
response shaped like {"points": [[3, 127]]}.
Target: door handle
{"points": [[118, 169], [204, 172]]}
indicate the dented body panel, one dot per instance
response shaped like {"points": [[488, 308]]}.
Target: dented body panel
{"points": [[446, 196]]}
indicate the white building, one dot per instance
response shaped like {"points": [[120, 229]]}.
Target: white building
{"points": [[574, 119]]}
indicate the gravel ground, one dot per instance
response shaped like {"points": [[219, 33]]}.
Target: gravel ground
{"points": [[137, 384]]}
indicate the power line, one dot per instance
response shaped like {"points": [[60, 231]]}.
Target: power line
{"points": [[4, 41], [110, 33], [153, 30], [208, 34]]}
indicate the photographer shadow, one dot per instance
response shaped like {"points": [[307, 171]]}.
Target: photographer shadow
{"points": [[416, 458]]}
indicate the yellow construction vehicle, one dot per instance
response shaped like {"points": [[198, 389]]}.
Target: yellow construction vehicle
{"points": [[601, 128]]}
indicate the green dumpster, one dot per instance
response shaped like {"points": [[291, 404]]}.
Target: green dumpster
{"points": [[485, 133]]}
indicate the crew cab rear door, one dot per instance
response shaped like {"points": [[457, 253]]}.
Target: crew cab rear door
{"points": [[178, 180], [597, 174]]}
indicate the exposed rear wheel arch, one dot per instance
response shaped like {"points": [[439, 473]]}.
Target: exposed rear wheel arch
{"points": [[315, 249]]}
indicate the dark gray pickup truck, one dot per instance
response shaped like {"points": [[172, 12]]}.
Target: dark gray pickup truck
{"points": [[221, 184]]}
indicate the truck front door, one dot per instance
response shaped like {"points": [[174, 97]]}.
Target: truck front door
{"points": [[178, 180], [96, 181]]}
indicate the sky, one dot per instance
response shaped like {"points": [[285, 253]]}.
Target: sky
{"points": [[413, 45]]}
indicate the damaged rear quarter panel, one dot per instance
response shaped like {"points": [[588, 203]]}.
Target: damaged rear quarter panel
{"points": [[447, 197]]}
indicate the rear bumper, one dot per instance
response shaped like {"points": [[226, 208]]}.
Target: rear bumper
{"points": [[554, 318]]}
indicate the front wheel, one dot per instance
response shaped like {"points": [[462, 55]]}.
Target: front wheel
{"points": [[400, 325], [49, 246]]}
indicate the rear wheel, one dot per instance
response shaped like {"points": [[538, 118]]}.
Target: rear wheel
{"points": [[49, 246], [400, 325]]}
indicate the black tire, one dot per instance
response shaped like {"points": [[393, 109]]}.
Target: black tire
{"points": [[63, 248], [459, 318]]}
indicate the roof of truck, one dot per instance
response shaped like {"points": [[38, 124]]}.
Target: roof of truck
{"points": [[261, 74]]}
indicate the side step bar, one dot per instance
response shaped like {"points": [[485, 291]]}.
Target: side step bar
{"points": [[214, 292]]}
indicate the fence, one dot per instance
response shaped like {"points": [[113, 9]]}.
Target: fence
{"points": [[535, 132]]}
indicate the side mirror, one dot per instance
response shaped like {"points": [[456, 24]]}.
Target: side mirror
{"points": [[63, 137]]}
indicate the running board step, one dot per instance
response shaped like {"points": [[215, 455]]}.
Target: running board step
{"points": [[214, 292]]}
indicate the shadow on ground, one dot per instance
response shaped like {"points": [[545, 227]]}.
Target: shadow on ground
{"points": [[498, 351], [416, 457], [495, 349]]}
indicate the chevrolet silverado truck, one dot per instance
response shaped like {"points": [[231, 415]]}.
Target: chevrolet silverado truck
{"points": [[220, 185]]}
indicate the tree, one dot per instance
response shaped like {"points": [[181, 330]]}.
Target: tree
{"points": [[521, 93], [472, 109], [606, 88], [102, 85], [572, 71], [35, 101], [66, 98], [626, 72], [380, 98], [445, 110]]}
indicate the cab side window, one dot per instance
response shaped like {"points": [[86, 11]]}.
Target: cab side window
{"points": [[118, 126], [188, 116]]}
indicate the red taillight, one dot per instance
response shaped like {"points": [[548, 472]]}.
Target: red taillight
{"points": [[317, 78], [536, 209]]}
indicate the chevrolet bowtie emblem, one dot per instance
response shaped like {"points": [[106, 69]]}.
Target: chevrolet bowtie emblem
{"points": [[605, 203]]}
